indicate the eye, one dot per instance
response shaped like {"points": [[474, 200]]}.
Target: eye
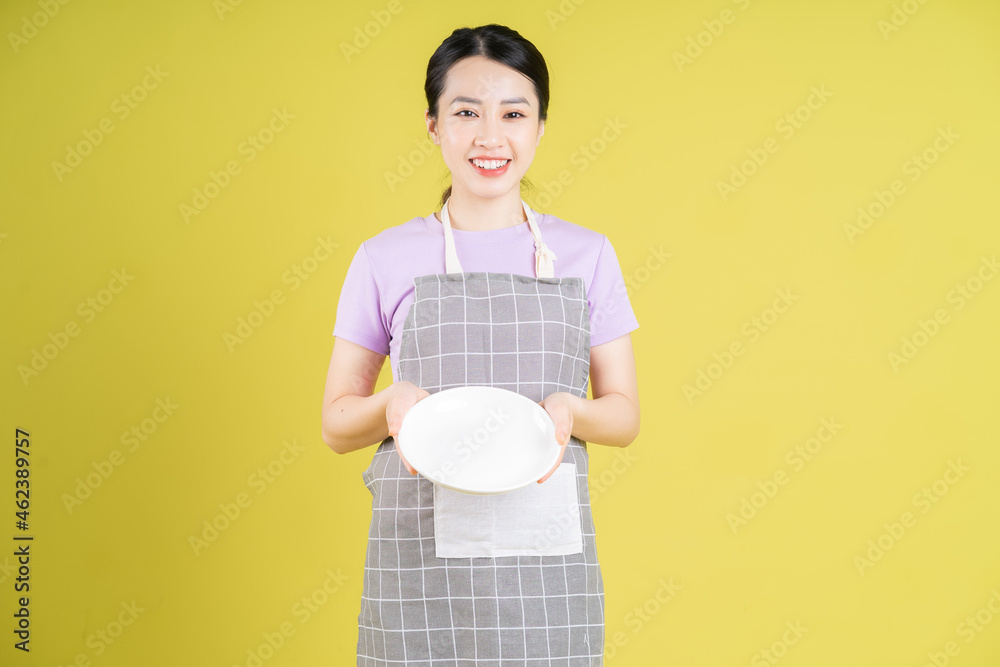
{"points": [[463, 112]]}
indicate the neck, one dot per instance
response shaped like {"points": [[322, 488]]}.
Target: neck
{"points": [[470, 213]]}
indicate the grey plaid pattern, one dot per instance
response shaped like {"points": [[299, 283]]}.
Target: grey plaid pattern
{"points": [[529, 335]]}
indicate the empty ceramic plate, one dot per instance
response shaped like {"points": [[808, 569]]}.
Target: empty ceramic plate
{"points": [[479, 440]]}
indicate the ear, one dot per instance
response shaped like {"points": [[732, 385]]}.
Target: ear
{"points": [[431, 126], [541, 131]]}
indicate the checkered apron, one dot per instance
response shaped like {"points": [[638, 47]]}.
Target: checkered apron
{"points": [[525, 334]]}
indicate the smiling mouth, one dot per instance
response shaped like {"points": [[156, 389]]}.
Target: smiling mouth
{"points": [[490, 165]]}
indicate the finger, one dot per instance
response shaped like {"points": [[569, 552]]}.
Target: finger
{"points": [[554, 468], [563, 429], [562, 452], [406, 463]]}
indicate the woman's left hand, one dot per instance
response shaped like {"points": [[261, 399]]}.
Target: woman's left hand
{"points": [[559, 405]]}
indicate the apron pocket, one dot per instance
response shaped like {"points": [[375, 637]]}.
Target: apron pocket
{"points": [[537, 520]]}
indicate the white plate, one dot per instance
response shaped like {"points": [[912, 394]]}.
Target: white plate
{"points": [[480, 440]]}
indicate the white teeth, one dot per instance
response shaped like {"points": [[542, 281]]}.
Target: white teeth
{"points": [[489, 164]]}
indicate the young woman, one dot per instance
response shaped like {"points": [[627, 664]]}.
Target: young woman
{"points": [[473, 295]]}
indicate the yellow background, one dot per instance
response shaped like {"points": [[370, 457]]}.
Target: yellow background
{"points": [[661, 514]]}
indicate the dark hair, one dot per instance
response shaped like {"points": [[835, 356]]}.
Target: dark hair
{"points": [[496, 42]]}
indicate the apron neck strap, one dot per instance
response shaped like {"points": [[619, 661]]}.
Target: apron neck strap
{"points": [[543, 255]]}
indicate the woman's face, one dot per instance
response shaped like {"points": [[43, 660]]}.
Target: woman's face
{"points": [[486, 110]]}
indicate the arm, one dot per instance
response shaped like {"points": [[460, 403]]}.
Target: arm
{"points": [[353, 417], [612, 416]]}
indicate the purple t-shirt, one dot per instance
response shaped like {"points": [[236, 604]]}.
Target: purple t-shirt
{"points": [[378, 288]]}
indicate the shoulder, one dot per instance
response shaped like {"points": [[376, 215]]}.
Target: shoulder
{"points": [[413, 230], [574, 237], [398, 243]]}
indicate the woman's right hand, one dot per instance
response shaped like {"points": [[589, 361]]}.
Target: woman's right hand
{"points": [[404, 395]]}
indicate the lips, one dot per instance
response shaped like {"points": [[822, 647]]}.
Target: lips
{"points": [[484, 161], [487, 171]]}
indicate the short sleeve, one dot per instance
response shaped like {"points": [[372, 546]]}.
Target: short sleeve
{"points": [[611, 314], [359, 311]]}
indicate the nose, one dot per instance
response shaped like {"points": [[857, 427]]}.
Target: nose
{"points": [[490, 133]]}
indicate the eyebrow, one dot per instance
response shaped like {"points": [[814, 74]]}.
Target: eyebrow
{"points": [[473, 100]]}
